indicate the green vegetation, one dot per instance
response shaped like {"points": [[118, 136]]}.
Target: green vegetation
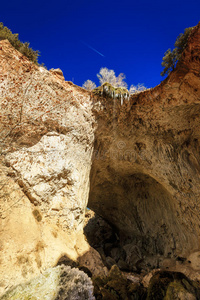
{"points": [[24, 48], [172, 57], [106, 89]]}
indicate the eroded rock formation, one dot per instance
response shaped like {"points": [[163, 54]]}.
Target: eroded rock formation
{"points": [[137, 161], [145, 173], [51, 137], [47, 139]]}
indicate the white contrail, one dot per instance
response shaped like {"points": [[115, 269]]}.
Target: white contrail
{"points": [[93, 49]]}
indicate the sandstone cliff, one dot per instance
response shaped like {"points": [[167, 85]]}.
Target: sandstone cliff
{"points": [[137, 162]]}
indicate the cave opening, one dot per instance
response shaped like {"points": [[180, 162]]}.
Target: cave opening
{"points": [[132, 221]]}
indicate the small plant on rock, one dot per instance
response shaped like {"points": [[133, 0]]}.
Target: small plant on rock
{"points": [[24, 48], [171, 57]]}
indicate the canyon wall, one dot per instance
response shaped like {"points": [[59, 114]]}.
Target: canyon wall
{"points": [[145, 174], [47, 135], [136, 160]]}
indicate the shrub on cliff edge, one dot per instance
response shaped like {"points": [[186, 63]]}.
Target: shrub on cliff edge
{"points": [[171, 57], [6, 33]]}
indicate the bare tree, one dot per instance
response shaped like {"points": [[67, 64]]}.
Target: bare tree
{"points": [[106, 75], [120, 81], [135, 89], [89, 85]]}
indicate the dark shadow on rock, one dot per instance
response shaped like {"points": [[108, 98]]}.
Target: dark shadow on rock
{"points": [[65, 260], [117, 287], [172, 285], [104, 238]]}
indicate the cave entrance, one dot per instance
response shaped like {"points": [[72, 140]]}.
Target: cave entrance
{"points": [[138, 220]]}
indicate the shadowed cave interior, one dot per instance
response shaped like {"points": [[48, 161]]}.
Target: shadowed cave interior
{"points": [[135, 225]]}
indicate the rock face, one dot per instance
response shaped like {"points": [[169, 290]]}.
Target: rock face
{"points": [[142, 177], [29, 242], [52, 138], [57, 72], [172, 285], [54, 174], [46, 134], [145, 173]]}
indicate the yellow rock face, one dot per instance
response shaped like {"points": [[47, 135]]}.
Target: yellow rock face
{"points": [[29, 244], [46, 140]]}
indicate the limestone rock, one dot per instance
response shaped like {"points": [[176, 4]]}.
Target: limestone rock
{"points": [[52, 175], [57, 72], [47, 138], [28, 244], [46, 134]]}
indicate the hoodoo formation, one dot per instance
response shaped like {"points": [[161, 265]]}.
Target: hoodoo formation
{"points": [[135, 163]]}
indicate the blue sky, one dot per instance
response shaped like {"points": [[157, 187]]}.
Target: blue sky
{"points": [[132, 36]]}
